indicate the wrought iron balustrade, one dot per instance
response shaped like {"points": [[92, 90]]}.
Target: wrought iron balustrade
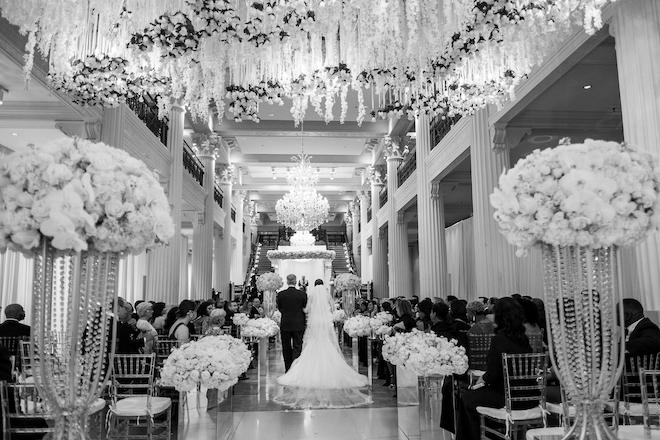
{"points": [[440, 127], [406, 169], [193, 165], [233, 214], [369, 214], [147, 111], [383, 197], [217, 196]]}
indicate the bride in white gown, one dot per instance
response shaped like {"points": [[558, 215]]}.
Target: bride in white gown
{"points": [[320, 377]]}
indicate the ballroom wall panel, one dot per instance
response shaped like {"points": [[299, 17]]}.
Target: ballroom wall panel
{"points": [[460, 260]]}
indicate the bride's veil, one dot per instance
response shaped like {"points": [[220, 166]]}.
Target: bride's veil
{"points": [[319, 316]]}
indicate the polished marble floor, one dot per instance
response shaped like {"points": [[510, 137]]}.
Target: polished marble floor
{"points": [[250, 414]]}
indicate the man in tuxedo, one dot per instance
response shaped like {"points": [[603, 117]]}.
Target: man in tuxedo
{"points": [[290, 303], [642, 335], [127, 342], [12, 326]]}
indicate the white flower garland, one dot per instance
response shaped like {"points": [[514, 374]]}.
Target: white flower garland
{"points": [[300, 255]]}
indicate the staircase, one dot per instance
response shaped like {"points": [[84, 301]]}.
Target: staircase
{"points": [[263, 265], [339, 262]]}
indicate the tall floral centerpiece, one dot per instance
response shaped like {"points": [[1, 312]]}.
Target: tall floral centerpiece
{"points": [[580, 203], [75, 207], [269, 283], [348, 284]]}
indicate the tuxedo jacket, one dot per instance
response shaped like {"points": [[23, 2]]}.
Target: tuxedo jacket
{"points": [[644, 339], [126, 342], [290, 303], [12, 327]]}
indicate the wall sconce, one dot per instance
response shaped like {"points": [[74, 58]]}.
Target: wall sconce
{"points": [[2, 94]]}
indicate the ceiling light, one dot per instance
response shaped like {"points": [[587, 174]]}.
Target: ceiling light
{"points": [[2, 94], [14, 134], [587, 87]]}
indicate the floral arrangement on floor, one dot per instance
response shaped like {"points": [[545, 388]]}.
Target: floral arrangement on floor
{"points": [[277, 317], [356, 326], [212, 361], [300, 255], [79, 195], [596, 194], [425, 353], [347, 282], [338, 316], [269, 281], [384, 317], [240, 319], [260, 328]]}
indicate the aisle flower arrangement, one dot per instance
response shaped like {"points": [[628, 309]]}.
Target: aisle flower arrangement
{"points": [[383, 330], [300, 255], [596, 194], [384, 317], [269, 281], [81, 195], [347, 282], [277, 317], [240, 319], [260, 328], [212, 361], [338, 316], [425, 353], [356, 326]]}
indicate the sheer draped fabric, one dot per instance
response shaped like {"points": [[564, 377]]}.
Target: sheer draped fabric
{"points": [[320, 377]]}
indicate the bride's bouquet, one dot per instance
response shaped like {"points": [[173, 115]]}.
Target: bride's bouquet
{"points": [[260, 328], [338, 316], [356, 326], [240, 319], [213, 362], [425, 353]]}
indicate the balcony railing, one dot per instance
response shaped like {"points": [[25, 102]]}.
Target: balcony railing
{"points": [[147, 111], [369, 214], [406, 169], [233, 214], [440, 127], [193, 165], [217, 196], [383, 197]]}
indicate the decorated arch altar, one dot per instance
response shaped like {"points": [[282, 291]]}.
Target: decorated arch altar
{"points": [[312, 262]]}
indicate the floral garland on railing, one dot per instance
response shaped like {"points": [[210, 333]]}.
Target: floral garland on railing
{"points": [[269, 281], [596, 194], [212, 361], [425, 353], [260, 328], [300, 255]]}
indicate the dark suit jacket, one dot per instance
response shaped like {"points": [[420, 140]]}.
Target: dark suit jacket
{"points": [[12, 327], [645, 338], [501, 343], [126, 343], [290, 303], [5, 365]]}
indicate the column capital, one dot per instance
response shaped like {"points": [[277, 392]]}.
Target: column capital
{"points": [[348, 219], [505, 137], [224, 174], [206, 144], [364, 196], [375, 176], [400, 218], [249, 208], [353, 208], [440, 189], [238, 195], [396, 148]]}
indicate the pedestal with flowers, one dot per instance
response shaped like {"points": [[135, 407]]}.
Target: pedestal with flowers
{"points": [[580, 203], [348, 284], [269, 283], [76, 207], [430, 359], [256, 332]]}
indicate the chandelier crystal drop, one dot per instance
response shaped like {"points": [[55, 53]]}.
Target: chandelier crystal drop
{"points": [[302, 209]]}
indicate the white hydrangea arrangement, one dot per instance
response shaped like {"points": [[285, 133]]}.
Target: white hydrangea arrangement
{"points": [[277, 317], [80, 195], [212, 361], [347, 282], [338, 316], [384, 317], [260, 328], [425, 353], [240, 319], [356, 326], [383, 330], [596, 194], [269, 281]]}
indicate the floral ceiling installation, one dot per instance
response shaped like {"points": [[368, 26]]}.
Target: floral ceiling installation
{"points": [[439, 57]]}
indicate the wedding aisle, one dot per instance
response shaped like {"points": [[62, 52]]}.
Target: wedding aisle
{"points": [[251, 414]]}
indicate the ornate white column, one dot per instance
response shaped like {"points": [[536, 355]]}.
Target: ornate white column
{"points": [[164, 262], [379, 258], [365, 269], [112, 128], [496, 264], [220, 260], [438, 239], [237, 270], [636, 30], [397, 233], [202, 261], [248, 213], [355, 215], [225, 178]]}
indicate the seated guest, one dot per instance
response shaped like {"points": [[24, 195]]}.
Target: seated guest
{"points": [[531, 317], [128, 341], [482, 325], [424, 315], [145, 310], [441, 322], [185, 313], [203, 311], [12, 326], [256, 311], [511, 339], [406, 321], [459, 314], [642, 335], [215, 323]]}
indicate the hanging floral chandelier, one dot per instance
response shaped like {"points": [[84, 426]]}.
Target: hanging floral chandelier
{"points": [[302, 208], [405, 57]]}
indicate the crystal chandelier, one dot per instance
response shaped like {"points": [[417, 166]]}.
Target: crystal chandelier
{"points": [[302, 208]]}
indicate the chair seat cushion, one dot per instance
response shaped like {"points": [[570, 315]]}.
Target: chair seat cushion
{"points": [[96, 406], [137, 406], [556, 408], [637, 409], [501, 414]]}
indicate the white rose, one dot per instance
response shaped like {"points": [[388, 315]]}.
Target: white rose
{"points": [[114, 208], [24, 200], [102, 161], [26, 239]]}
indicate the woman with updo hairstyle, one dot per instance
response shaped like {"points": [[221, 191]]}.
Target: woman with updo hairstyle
{"points": [[509, 338], [424, 315], [185, 313]]}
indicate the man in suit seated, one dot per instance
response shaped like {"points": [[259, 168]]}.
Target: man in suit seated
{"points": [[642, 335], [12, 326], [127, 340]]}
